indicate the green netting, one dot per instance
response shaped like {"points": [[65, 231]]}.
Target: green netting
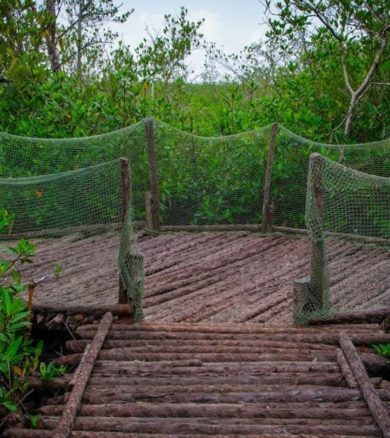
{"points": [[348, 219], [291, 165], [73, 184], [78, 199], [210, 180], [202, 180], [81, 203], [25, 156]]}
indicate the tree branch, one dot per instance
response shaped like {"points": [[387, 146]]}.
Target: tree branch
{"points": [[375, 63], [345, 71]]}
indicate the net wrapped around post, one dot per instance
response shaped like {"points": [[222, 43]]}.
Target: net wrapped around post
{"points": [[131, 261], [131, 266], [289, 173], [350, 223]]}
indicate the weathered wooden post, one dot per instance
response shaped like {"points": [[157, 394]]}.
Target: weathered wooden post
{"points": [[311, 295], [267, 210], [154, 192], [126, 187], [318, 262], [148, 211], [126, 193]]}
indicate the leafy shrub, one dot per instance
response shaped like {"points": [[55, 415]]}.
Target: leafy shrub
{"points": [[19, 357], [382, 349]]}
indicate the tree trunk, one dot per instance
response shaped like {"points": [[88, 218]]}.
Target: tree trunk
{"points": [[79, 41], [51, 39]]}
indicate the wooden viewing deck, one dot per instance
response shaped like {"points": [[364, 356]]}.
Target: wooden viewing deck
{"points": [[209, 277], [217, 354]]}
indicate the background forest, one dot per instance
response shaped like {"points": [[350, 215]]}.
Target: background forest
{"points": [[323, 71]]}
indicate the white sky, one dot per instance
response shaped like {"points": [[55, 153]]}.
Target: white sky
{"points": [[231, 24]]}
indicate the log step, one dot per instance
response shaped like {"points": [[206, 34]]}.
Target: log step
{"points": [[172, 380]]}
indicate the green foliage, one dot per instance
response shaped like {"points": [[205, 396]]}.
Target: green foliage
{"points": [[382, 349], [286, 79], [34, 420], [19, 358], [57, 270], [50, 371]]}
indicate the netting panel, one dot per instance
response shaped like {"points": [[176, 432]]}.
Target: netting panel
{"points": [[348, 212], [25, 157], [291, 166], [81, 198], [216, 180]]}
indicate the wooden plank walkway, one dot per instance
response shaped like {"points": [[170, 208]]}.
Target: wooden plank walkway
{"points": [[162, 380], [209, 277]]}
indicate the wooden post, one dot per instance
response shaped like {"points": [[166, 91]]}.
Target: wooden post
{"points": [[155, 199], [148, 211], [318, 262], [267, 210], [125, 184], [301, 300]]}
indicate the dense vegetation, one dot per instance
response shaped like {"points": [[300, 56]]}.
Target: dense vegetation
{"points": [[323, 71], [20, 356], [64, 78]]}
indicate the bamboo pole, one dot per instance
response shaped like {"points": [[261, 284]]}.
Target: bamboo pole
{"points": [[267, 201], [155, 198]]}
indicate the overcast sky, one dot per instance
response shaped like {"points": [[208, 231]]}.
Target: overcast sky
{"points": [[231, 24]]}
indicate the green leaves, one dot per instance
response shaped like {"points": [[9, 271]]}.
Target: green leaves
{"points": [[57, 270], [382, 349], [50, 371], [5, 400]]}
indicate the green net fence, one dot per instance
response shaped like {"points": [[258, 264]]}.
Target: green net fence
{"points": [[210, 180], [26, 157], [291, 165], [76, 200], [200, 181], [79, 203], [347, 212]]}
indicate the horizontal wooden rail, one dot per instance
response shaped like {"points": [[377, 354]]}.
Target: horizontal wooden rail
{"points": [[219, 227], [354, 317], [115, 309], [60, 232]]}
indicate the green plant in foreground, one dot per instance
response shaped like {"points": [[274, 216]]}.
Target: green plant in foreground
{"points": [[382, 349], [34, 420], [19, 358], [57, 270], [50, 371]]}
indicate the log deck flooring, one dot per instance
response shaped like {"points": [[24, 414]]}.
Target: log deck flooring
{"points": [[199, 366], [171, 380], [209, 277]]}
